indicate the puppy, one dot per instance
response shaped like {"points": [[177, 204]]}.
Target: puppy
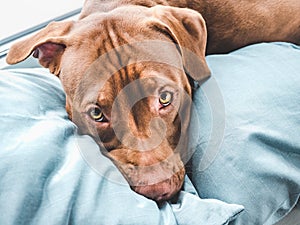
{"points": [[126, 67]]}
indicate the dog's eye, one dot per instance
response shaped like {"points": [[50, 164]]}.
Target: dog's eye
{"points": [[165, 98], [96, 114]]}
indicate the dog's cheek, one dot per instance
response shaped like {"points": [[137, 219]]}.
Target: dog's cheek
{"points": [[174, 131], [108, 139]]}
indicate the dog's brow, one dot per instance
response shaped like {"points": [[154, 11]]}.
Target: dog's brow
{"points": [[104, 100]]}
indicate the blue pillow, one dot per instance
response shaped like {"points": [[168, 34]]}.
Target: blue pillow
{"points": [[246, 138], [45, 178]]}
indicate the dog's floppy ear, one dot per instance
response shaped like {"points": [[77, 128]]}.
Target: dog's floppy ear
{"points": [[48, 46], [187, 28]]}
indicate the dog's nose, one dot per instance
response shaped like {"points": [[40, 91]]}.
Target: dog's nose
{"points": [[161, 191]]}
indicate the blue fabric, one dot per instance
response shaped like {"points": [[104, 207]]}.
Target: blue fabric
{"points": [[45, 178], [246, 142]]}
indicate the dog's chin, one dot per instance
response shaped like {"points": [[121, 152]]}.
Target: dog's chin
{"points": [[164, 190]]}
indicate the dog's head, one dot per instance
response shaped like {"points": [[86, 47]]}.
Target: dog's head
{"points": [[125, 77]]}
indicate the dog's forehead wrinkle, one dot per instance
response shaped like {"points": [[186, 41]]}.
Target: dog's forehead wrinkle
{"points": [[122, 31], [136, 81]]}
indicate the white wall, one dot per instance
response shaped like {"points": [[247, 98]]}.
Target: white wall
{"points": [[18, 15]]}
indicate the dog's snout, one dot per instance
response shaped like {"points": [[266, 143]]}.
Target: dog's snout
{"points": [[158, 192], [153, 175], [163, 190]]}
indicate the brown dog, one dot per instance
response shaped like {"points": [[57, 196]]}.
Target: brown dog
{"points": [[123, 66]]}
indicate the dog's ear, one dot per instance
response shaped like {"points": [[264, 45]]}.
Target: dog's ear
{"points": [[48, 46], [187, 28]]}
